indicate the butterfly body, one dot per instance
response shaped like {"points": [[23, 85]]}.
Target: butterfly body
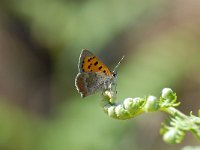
{"points": [[93, 75]]}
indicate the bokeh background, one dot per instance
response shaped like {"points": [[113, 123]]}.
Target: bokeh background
{"points": [[40, 43]]}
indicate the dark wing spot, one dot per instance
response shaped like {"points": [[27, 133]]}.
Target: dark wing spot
{"points": [[93, 57], [100, 67], [83, 62], [89, 59], [96, 63], [104, 71], [90, 70], [89, 67]]}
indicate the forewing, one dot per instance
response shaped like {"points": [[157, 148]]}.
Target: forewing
{"points": [[88, 62]]}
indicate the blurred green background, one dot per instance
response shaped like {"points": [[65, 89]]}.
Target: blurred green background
{"points": [[40, 43]]}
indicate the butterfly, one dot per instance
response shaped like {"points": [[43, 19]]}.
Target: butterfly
{"points": [[93, 75]]}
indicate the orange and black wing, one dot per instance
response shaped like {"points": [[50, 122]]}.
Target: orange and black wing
{"points": [[88, 62]]}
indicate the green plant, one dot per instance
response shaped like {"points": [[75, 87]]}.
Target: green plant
{"points": [[179, 123]]}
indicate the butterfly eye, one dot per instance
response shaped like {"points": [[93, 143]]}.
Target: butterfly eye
{"points": [[114, 74]]}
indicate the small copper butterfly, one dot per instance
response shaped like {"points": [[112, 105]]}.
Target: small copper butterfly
{"points": [[93, 75]]}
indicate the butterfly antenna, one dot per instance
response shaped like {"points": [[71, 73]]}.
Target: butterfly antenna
{"points": [[115, 69]]}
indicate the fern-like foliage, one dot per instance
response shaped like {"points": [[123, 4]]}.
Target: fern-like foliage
{"points": [[178, 125]]}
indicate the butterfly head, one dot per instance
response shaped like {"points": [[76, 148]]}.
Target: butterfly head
{"points": [[113, 79]]}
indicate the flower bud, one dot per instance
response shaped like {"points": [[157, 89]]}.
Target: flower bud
{"points": [[132, 105], [151, 104], [110, 95], [121, 112], [167, 93], [111, 111]]}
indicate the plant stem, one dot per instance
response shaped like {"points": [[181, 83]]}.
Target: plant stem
{"points": [[173, 111]]}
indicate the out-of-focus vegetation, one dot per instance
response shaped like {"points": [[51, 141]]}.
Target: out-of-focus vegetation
{"points": [[40, 42]]}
